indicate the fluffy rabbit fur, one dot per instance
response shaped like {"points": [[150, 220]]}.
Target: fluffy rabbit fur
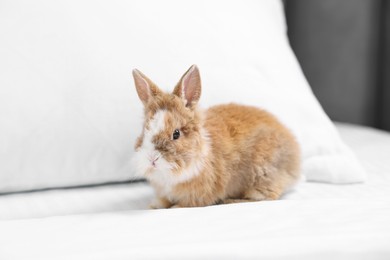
{"points": [[228, 153]]}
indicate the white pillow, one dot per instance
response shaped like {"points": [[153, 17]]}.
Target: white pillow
{"points": [[69, 113]]}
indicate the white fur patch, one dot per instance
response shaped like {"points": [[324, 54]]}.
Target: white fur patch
{"points": [[147, 155], [156, 124]]}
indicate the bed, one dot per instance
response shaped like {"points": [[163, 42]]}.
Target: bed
{"points": [[70, 117], [315, 220]]}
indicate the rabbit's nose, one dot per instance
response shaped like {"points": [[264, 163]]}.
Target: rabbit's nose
{"points": [[153, 159]]}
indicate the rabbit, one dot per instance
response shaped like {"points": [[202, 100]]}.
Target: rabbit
{"points": [[228, 153]]}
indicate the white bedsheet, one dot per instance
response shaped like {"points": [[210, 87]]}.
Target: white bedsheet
{"points": [[315, 221]]}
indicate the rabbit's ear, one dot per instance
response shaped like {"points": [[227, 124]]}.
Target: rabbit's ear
{"points": [[189, 87], [146, 89]]}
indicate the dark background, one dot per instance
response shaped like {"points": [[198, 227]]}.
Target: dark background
{"points": [[343, 47]]}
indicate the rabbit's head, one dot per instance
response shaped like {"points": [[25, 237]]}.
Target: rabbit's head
{"points": [[173, 142]]}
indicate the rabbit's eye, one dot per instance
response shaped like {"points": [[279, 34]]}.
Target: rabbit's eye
{"points": [[176, 134]]}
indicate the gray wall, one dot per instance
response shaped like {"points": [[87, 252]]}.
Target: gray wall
{"points": [[340, 45]]}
